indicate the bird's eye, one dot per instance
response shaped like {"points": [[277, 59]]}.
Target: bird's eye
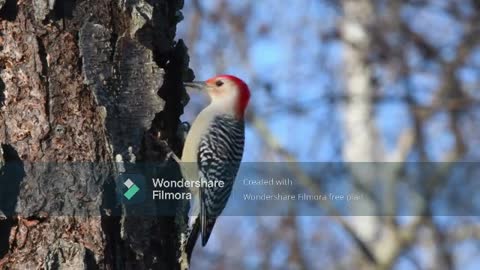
{"points": [[219, 83]]}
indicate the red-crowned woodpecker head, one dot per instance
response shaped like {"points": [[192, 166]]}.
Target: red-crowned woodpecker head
{"points": [[226, 92], [229, 91]]}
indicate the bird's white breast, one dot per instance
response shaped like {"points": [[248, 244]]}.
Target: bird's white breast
{"points": [[200, 127]]}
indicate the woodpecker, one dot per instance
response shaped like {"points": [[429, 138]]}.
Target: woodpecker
{"points": [[212, 152]]}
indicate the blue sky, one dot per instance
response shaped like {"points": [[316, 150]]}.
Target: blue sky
{"points": [[285, 45]]}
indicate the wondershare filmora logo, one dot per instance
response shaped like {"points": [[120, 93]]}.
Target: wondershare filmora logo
{"points": [[132, 189]]}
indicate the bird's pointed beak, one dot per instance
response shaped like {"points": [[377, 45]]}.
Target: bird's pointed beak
{"points": [[199, 85]]}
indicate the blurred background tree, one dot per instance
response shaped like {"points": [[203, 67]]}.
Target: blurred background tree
{"points": [[357, 81]]}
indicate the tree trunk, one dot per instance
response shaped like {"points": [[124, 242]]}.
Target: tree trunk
{"points": [[360, 134], [87, 88], [362, 144]]}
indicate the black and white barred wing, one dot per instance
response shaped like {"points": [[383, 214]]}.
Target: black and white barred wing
{"points": [[220, 154]]}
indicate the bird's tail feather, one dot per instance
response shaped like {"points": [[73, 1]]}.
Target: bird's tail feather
{"points": [[206, 222], [192, 239]]}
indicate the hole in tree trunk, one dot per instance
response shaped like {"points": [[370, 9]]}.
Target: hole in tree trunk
{"points": [[63, 9], [11, 174], [9, 10]]}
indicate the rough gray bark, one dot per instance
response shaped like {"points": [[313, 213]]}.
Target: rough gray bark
{"points": [[86, 82]]}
